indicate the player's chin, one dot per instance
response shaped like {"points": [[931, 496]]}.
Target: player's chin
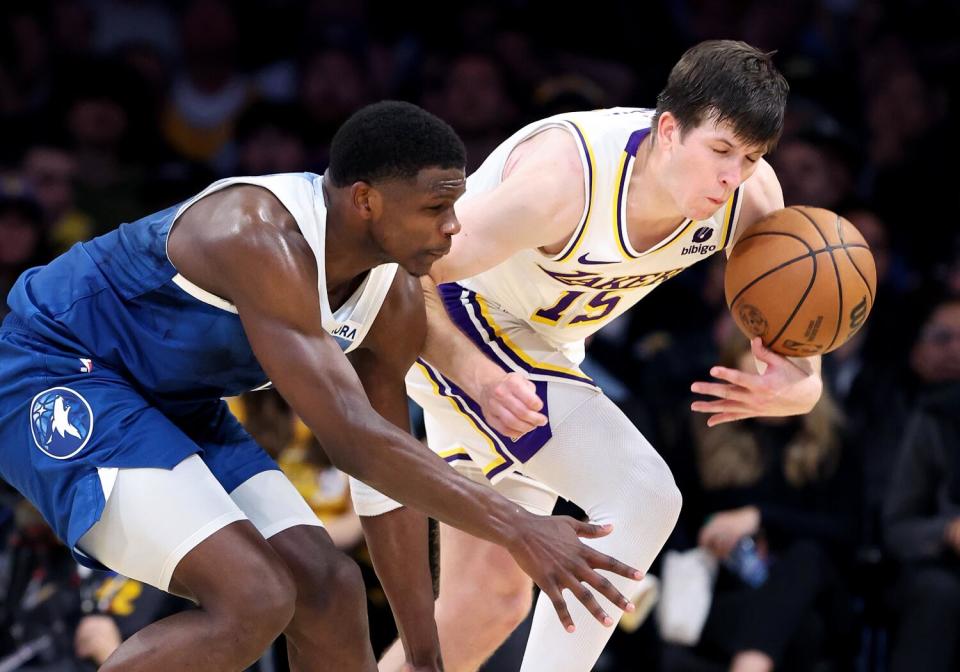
{"points": [[420, 265]]}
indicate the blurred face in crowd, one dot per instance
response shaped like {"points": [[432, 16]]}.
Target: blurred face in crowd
{"points": [[333, 86], [935, 357], [475, 99], [19, 236], [271, 150], [51, 173], [97, 122], [809, 175]]}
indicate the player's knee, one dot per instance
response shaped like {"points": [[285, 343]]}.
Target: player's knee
{"points": [[652, 484], [500, 593], [263, 606], [333, 587]]}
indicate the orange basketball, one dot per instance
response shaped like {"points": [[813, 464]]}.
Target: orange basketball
{"points": [[802, 279]]}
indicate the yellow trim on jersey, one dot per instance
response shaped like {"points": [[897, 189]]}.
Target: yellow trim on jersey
{"points": [[493, 464], [618, 205], [454, 451], [502, 335], [579, 235], [727, 217]]}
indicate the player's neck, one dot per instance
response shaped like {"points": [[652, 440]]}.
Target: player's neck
{"points": [[649, 203], [348, 250]]}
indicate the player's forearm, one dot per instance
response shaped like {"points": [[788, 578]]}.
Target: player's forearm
{"points": [[451, 351], [399, 546], [394, 463]]}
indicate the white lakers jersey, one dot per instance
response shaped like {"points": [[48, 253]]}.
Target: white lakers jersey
{"points": [[597, 275], [302, 195]]}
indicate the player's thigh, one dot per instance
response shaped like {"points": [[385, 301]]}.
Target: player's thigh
{"points": [[248, 474], [154, 517]]}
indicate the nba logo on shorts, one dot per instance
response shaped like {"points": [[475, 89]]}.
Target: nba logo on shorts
{"points": [[61, 422]]}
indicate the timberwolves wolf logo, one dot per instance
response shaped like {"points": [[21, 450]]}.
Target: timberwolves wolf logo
{"points": [[61, 422]]}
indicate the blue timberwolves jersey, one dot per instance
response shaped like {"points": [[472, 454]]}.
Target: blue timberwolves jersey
{"points": [[118, 302]]}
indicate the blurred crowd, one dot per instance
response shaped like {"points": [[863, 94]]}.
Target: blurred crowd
{"points": [[850, 516]]}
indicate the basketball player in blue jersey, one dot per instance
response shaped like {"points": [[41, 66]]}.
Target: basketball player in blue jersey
{"points": [[116, 355], [565, 226]]}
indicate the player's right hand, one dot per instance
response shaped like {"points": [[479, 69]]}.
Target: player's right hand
{"points": [[549, 550], [511, 405]]}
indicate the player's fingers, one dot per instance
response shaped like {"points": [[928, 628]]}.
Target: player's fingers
{"points": [[763, 353], [608, 590], [523, 412], [720, 390], [582, 593], [735, 376], [507, 424], [525, 391], [560, 606], [719, 406], [722, 418], [598, 560], [590, 530]]}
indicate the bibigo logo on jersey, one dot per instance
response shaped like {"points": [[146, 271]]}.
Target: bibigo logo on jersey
{"points": [[61, 422]]}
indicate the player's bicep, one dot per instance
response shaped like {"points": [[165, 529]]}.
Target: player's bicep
{"points": [[280, 312], [535, 206]]}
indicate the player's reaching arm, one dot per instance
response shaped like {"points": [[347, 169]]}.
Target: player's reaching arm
{"points": [[279, 308], [782, 385], [538, 204], [397, 540]]}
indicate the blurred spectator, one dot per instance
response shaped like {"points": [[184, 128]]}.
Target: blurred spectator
{"points": [[787, 484], [474, 98], [103, 122], [334, 83], [40, 599], [22, 240], [121, 607], [270, 139], [922, 516], [51, 171], [120, 23], [273, 424], [814, 169], [211, 91]]}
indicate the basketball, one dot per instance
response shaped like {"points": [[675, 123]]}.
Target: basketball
{"points": [[802, 279]]}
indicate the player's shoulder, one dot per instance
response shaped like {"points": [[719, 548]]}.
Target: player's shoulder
{"points": [[761, 194], [551, 155], [763, 187]]}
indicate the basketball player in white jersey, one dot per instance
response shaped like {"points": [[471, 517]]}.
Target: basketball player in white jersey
{"points": [[565, 226], [117, 354]]}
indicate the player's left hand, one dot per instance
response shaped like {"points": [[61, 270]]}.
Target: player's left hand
{"points": [[511, 405], [782, 387]]}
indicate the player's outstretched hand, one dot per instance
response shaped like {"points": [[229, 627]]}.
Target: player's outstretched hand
{"points": [[548, 549], [511, 405], [783, 387]]}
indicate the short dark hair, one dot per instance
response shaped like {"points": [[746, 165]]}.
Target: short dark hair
{"points": [[727, 81], [392, 139]]}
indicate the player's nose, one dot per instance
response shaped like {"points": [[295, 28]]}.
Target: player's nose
{"points": [[450, 227]]}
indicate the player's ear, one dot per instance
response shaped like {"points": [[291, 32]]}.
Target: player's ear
{"points": [[668, 130], [366, 200]]}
